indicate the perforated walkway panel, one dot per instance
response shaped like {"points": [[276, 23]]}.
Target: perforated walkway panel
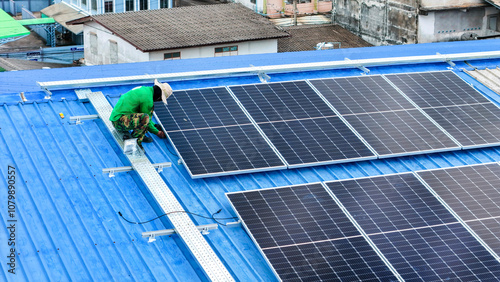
{"points": [[201, 250]]}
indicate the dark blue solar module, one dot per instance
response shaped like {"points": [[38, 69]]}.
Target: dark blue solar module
{"points": [[200, 108], [388, 203], [222, 150], [315, 141], [350, 259], [213, 135], [439, 253], [473, 192], [302, 126], [413, 230], [471, 125], [401, 132], [365, 94], [305, 235], [436, 89], [281, 101]]}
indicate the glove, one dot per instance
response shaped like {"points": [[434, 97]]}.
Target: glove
{"points": [[157, 126]]}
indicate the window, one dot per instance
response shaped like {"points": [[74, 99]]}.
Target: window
{"points": [[93, 43], [226, 51], [163, 4], [172, 56], [143, 4], [492, 22], [108, 6], [84, 2], [94, 5], [129, 5]]}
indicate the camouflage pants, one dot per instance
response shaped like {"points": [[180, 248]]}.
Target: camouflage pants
{"points": [[137, 122]]}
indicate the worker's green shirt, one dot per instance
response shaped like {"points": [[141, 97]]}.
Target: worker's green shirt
{"points": [[137, 100]]}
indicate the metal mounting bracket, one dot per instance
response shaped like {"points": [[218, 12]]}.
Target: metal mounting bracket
{"points": [[447, 60], [78, 119], [204, 229], [113, 170], [48, 94], [363, 68]]}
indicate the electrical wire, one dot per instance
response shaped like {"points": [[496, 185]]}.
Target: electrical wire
{"points": [[195, 214]]}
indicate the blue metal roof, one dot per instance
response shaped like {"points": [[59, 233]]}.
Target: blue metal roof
{"points": [[68, 227]]}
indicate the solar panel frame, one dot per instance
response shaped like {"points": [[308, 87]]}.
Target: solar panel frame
{"points": [[464, 87], [395, 96], [337, 100], [354, 234], [375, 232], [312, 98], [401, 133], [458, 89], [339, 148], [245, 121], [465, 198], [481, 121]]}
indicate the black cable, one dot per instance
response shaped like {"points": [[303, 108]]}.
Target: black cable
{"points": [[195, 214]]}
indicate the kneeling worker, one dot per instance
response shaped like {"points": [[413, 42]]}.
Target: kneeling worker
{"points": [[134, 111]]}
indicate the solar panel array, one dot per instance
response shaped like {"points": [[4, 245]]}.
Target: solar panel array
{"points": [[213, 135], [261, 127], [304, 129], [467, 115], [386, 119], [408, 226]]}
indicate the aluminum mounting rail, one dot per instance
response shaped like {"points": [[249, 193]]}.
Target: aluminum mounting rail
{"points": [[78, 83], [194, 240]]}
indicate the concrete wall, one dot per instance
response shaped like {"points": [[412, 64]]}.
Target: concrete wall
{"points": [[379, 22], [382, 22], [457, 24], [127, 53]]}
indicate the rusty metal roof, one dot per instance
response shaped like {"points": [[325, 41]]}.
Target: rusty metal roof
{"points": [[305, 37], [162, 29]]}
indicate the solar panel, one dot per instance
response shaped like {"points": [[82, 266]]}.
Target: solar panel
{"points": [[224, 150], [471, 125], [413, 230], [281, 101], [473, 192], [213, 135], [315, 141], [302, 127], [365, 94], [383, 117], [401, 133], [200, 108], [436, 89], [305, 235]]}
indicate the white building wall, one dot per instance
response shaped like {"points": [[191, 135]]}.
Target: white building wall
{"points": [[126, 52], [244, 48]]}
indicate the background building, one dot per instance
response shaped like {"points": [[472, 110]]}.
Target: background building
{"points": [[178, 33], [411, 21]]}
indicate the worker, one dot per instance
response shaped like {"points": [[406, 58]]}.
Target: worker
{"points": [[134, 111]]}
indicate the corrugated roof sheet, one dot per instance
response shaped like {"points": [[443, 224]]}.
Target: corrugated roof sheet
{"points": [[190, 26], [68, 226]]}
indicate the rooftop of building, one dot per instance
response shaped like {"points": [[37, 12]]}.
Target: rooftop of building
{"points": [[190, 26], [67, 209]]}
